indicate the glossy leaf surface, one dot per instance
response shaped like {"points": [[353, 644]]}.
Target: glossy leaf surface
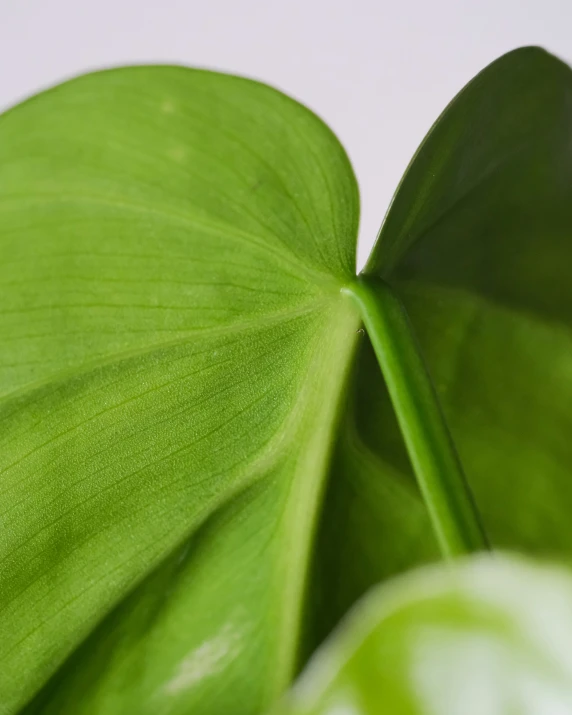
{"points": [[491, 635], [484, 272]]}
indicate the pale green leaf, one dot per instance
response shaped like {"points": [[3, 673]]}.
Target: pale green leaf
{"points": [[491, 635]]}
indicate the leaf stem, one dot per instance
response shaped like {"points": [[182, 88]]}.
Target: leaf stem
{"points": [[430, 446]]}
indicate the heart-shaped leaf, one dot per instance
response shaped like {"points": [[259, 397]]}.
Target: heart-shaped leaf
{"points": [[173, 355], [491, 635]]}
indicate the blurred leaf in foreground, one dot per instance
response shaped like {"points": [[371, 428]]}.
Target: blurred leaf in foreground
{"points": [[490, 635]]}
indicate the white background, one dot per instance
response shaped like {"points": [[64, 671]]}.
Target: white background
{"points": [[378, 72]]}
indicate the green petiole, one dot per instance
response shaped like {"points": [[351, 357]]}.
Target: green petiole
{"points": [[431, 449]]}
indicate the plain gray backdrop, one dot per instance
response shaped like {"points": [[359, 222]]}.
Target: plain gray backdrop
{"points": [[378, 72]]}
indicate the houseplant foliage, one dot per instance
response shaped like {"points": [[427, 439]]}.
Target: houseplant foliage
{"points": [[201, 466], [490, 636]]}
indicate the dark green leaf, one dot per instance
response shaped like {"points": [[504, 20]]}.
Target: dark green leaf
{"points": [[484, 270], [478, 244]]}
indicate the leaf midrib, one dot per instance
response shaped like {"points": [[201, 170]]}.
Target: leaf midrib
{"points": [[274, 449], [396, 255], [306, 495]]}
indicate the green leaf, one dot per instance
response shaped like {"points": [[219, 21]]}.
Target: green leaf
{"points": [[174, 352], [198, 478], [442, 482], [484, 272], [478, 246], [490, 635]]}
